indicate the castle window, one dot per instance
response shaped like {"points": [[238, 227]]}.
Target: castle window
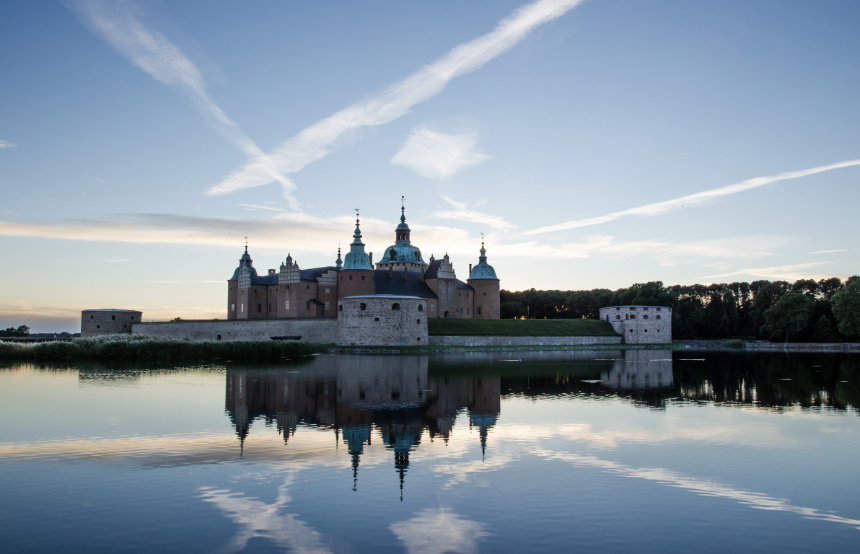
{"points": [[646, 309], [658, 317], [646, 330], [420, 308], [242, 307], [91, 317], [340, 308], [350, 277], [418, 321], [485, 294], [327, 290], [631, 330], [645, 316], [375, 319], [395, 306], [632, 309], [259, 308], [617, 309], [326, 305], [632, 316], [308, 305], [307, 287], [217, 337], [287, 304], [658, 309], [232, 307], [113, 317], [362, 277], [468, 310], [618, 317], [479, 311], [362, 306], [98, 326], [270, 307], [432, 307]]}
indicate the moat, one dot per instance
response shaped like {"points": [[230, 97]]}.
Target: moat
{"points": [[461, 452]]}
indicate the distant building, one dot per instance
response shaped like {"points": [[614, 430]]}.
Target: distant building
{"points": [[291, 292], [640, 324], [108, 322]]}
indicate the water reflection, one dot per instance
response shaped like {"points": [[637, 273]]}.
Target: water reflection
{"points": [[353, 395]]}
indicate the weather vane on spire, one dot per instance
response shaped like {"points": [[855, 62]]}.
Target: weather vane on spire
{"points": [[246, 243]]}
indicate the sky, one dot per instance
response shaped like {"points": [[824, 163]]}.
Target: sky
{"points": [[590, 144]]}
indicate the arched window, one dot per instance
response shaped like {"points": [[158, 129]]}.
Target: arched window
{"points": [[395, 306], [420, 308], [218, 337]]}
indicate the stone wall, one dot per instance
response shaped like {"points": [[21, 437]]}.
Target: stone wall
{"points": [[451, 340], [316, 330], [381, 320]]}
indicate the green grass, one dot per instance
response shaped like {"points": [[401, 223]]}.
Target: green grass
{"points": [[148, 350], [521, 327]]}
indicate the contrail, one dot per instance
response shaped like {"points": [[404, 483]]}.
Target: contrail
{"points": [[692, 200], [318, 140], [152, 52]]}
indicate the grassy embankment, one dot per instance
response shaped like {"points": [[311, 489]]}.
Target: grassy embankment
{"points": [[120, 348], [521, 327]]}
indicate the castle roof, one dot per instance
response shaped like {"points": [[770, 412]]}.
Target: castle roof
{"points": [[356, 258], [402, 249], [412, 285], [483, 270]]}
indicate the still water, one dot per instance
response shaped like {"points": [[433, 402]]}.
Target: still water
{"points": [[468, 452]]}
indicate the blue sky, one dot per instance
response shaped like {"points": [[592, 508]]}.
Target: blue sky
{"points": [[594, 144]]}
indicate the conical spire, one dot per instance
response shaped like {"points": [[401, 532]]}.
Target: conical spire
{"points": [[338, 263], [357, 258]]}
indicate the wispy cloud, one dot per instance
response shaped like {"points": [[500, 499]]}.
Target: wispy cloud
{"points": [[118, 261], [438, 530], [785, 272], [437, 155], [461, 212], [318, 140], [693, 200], [255, 207], [120, 25], [827, 251], [6, 144]]}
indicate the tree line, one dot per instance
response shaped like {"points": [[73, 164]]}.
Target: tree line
{"points": [[827, 310], [20, 331]]}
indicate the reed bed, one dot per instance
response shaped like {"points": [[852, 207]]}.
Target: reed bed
{"points": [[128, 348]]}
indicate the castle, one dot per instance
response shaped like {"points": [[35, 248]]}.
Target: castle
{"points": [[320, 292]]}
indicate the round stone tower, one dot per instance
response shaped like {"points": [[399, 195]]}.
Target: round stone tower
{"points": [[356, 275], [483, 279]]}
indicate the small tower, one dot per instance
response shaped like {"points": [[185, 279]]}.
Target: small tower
{"points": [[356, 275], [241, 288], [483, 279]]}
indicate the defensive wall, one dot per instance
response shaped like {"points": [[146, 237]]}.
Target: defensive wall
{"points": [[381, 320], [316, 330], [640, 324], [454, 340]]}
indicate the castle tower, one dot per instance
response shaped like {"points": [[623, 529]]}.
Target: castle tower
{"points": [[402, 255], [356, 276], [483, 279]]}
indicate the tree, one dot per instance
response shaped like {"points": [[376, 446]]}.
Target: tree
{"points": [[846, 308], [789, 316]]}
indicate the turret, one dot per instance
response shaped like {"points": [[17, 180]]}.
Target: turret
{"points": [[483, 279], [356, 275], [402, 254]]}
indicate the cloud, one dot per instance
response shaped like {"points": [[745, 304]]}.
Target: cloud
{"points": [[257, 519], [783, 272], [120, 25], [6, 144], [462, 213], [438, 155], [255, 207], [693, 200], [435, 531], [117, 261], [755, 500], [318, 140], [827, 251]]}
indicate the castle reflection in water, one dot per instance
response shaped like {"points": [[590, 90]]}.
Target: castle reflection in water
{"points": [[400, 398]]}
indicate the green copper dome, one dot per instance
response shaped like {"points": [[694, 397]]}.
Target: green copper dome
{"points": [[483, 270], [357, 258], [402, 250]]}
